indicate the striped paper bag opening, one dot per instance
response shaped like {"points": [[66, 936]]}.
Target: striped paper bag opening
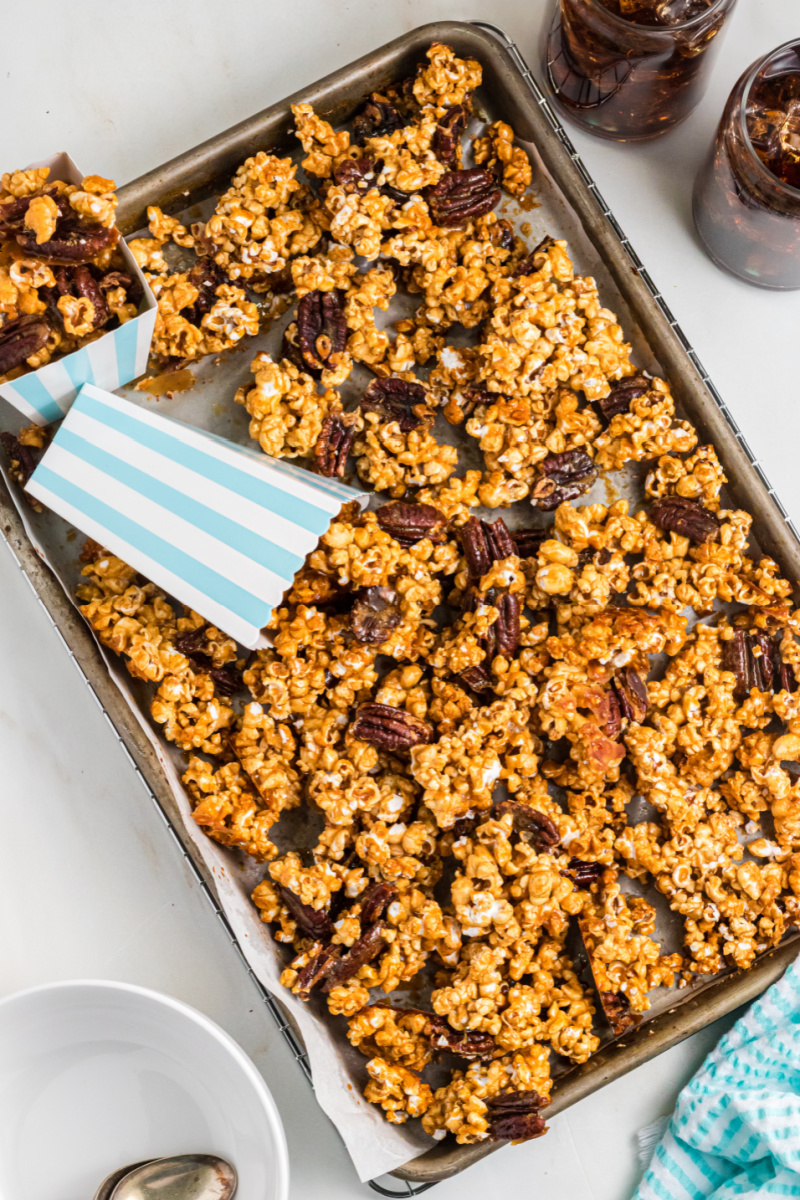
{"points": [[221, 528], [118, 356]]}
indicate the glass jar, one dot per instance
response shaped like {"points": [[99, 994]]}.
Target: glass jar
{"points": [[747, 216], [624, 80]]}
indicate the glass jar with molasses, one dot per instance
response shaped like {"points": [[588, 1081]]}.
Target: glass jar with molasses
{"points": [[747, 195], [632, 69]]}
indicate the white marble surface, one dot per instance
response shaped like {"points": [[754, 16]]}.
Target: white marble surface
{"points": [[91, 884]]}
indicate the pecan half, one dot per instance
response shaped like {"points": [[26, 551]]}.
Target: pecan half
{"points": [[533, 261], [356, 174], [465, 826], [619, 398], [375, 902], [506, 628], [20, 339], [502, 234], [190, 643], [398, 400], [688, 518], [604, 705], [84, 284], [378, 118], [467, 1043], [448, 134], [515, 1116], [582, 873], [410, 523], [227, 679], [320, 331], [563, 477], [751, 657], [528, 542], [477, 678], [12, 214], [544, 832], [368, 946], [80, 280], [484, 543], [631, 693], [91, 552], [503, 636], [785, 680], [70, 244], [313, 922], [117, 279], [763, 654], [389, 728], [21, 458], [333, 444], [617, 1009], [375, 615], [206, 276], [459, 196], [316, 969]]}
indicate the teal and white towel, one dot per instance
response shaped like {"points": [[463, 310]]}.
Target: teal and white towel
{"points": [[736, 1129], [220, 527]]}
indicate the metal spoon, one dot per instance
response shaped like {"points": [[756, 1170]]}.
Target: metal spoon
{"points": [[111, 1181], [183, 1177]]}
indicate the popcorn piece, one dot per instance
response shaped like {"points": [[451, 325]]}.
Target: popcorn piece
{"points": [[41, 217], [227, 807], [625, 961], [400, 1093], [287, 411], [497, 151]]}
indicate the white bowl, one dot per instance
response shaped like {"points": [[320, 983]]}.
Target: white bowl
{"points": [[94, 1075]]}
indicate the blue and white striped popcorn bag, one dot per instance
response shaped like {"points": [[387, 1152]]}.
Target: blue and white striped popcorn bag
{"points": [[45, 395], [220, 527]]}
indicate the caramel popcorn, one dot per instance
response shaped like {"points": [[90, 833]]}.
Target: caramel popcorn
{"points": [[322, 145], [227, 807], [446, 80], [625, 961], [60, 262], [42, 217], [95, 200], [179, 336], [394, 1035], [393, 461], [400, 1093], [286, 410], [497, 150], [264, 220], [461, 1106], [464, 708]]}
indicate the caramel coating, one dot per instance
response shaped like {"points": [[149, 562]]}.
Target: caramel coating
{"points": [[523, 683]]}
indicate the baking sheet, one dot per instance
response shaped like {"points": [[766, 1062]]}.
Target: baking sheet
{"points": [[375, 1146]]}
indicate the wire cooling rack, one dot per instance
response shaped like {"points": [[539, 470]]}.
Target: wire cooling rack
{"points": [[285, 1028]]}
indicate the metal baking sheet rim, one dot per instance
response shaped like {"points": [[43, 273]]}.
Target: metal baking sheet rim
{"points": [[186, 178]]}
